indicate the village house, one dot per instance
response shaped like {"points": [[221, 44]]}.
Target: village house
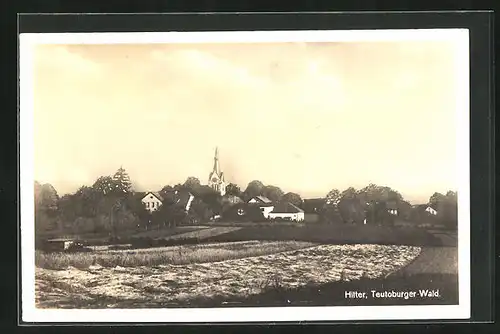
{"points": [[287, 211], [152, 201], [231, 199], [265, 204], [431, 210], [426, 208], [392, 208]]}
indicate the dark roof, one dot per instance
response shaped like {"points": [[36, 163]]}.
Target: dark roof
{"points": [[60, 240], [313, 203], [286, 207], [260, 205], [182, 197], [392, 205], [315, 200]]}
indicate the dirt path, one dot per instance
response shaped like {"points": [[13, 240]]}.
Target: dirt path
{"points": [[433, 260]]}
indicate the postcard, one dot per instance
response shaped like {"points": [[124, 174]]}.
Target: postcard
{"points": [[245, 176]]}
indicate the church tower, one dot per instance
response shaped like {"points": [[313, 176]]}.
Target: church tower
{"points": [[216, 178]]}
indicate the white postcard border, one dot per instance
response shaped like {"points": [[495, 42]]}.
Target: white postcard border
{"points": [[328, 313]]}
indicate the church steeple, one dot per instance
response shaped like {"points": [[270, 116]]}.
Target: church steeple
{"points": [[216, 178], [216, 169]]}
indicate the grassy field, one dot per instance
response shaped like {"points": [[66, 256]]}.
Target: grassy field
{"points": [[333, 234], [181, 285], [176, 255]]}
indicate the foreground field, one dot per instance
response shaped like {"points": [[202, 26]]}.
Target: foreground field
{"points": [[165, 255], [187, 284]]}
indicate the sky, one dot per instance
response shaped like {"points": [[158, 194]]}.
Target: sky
{"points": [[307, 117]]}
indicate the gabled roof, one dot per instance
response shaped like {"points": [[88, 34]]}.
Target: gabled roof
{"points": [[155, 194], [262, 199], [261, 205], [286, 207]]}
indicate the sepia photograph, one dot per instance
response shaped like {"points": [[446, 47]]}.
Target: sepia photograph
{"points": [[172, 175]]}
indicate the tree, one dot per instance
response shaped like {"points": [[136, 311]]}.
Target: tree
{"points": [[333, 197], [351, 210], [137, 208], [273, 193], [436, 199], [122, 181], [192, 183], [375, 193], [349, 193], [254, 188], [350, 206], [447, 208], [169, 215], [329, 212], [233, 190], [105, 185], [167, 192], [46, 208], [293, 198], [200, 210]]}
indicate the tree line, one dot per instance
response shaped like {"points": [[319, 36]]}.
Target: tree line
{"points": [[111, 205]]}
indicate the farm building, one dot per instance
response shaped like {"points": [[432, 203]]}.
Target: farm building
{"points": [[57, 244], [260, 200], [153, 200], [264, 203], [311, 217], [313, 205], [243, 212], [287, 211]]}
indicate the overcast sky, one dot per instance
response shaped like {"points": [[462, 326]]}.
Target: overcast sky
{"points": [[307, 117]]}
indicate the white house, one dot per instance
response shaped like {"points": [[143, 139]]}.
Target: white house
{"points": [[431, 211], [264, 203], [287, 210], [152, 201], [392, 208]]}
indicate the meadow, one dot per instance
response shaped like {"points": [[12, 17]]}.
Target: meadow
{"points": [[176, 255]]}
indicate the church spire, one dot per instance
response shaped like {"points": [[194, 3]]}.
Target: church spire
{"points": [[216, 162]]}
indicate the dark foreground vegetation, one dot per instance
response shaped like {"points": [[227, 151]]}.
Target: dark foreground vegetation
{"points": [[334, 234]]}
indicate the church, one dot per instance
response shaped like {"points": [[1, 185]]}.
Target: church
{"points": [[216, 178]]}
